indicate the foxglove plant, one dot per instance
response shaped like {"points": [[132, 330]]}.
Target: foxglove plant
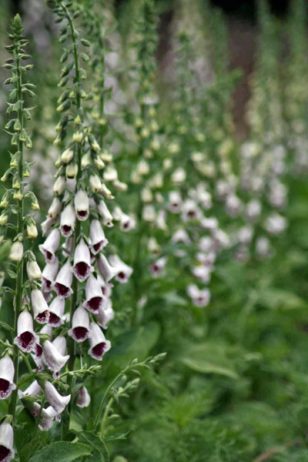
{"points": [[197, 236], [18, 224], [77, 276], [263, 159]]}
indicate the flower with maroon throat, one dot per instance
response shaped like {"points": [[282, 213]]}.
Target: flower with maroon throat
{"points": [[80, 325], [56, 312], [82, 261], [6, 442], [97, 237], [64, 280], [94, 295], [67, 221], [83, 397], [123, 271], [7, 372], [26, 338], [175, 202], [158, 266], [199, 297], [50, 246], [39, 307], [99, 345], [81, 204], [48, 275]]}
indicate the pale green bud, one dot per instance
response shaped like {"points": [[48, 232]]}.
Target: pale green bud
{"points": [[3, 219], [78, 137], [16, 252], [71, 171], [67, 156]]}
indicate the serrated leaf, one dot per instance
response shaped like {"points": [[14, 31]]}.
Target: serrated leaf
{"points": [[61, 451]]}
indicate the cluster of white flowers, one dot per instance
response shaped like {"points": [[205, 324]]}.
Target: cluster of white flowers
{"points": [[195, 214]]}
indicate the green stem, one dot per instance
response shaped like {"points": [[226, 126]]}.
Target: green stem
{"points": [[106, 413], [75, 298]]}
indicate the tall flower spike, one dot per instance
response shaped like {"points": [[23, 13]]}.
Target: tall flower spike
{"points": [[77, 220], [21, 202]]}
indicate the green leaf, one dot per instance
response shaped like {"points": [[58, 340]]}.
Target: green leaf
{"points": [[97, 444], [61, 451], [207, 367], [281, 299], [209, 358]]}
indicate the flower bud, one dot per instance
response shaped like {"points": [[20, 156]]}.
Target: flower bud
{"points": [[67, 156], [71, 171], [16, 252], [59, 185], [78, 137], [3, 219], [33, 271], [32, 231], [178, 176]]}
